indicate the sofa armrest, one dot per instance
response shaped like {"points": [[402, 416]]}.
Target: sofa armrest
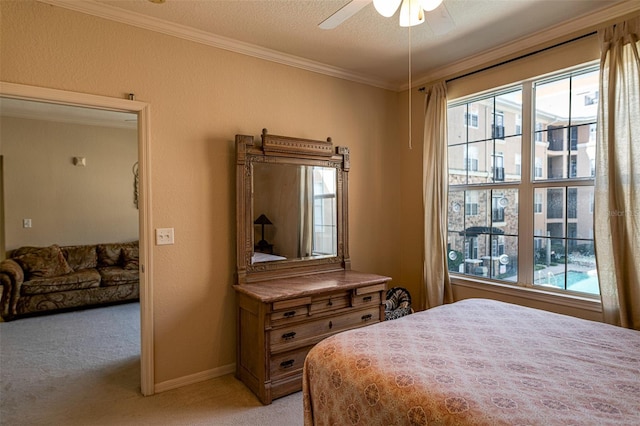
{"points": [[11, 278]]}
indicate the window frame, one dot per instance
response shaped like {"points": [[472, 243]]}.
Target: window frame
{"points": [[528, 183]]}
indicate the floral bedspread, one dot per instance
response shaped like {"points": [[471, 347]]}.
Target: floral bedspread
{"points": [[476, 362]]}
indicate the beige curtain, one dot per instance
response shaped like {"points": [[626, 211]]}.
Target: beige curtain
{"points": [[617, 182], [436, 284], [306, 212]]}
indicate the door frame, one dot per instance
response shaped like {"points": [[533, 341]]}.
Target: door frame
{"points": [[142, 109]]}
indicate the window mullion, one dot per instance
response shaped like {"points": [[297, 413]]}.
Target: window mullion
{"points": [[526, 191]]}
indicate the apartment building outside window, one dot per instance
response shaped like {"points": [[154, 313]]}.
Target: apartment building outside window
{"points": [[488, 179]]}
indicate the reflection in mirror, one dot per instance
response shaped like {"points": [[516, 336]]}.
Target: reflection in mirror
{"points": [[295, 212]]}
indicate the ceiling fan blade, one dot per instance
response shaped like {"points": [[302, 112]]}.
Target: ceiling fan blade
{"points": [[346, 12], [440, 20]]}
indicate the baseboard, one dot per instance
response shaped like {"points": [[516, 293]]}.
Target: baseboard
{"points": [[194, 378]]}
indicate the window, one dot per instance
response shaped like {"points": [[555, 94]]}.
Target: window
{"points": [[471, 203], [471, 245], [471, 120], [538, 134], [538, 167], [555, 245], [573, 166], [472, 159], [497, 248], [324, 208], [555, 203], [555, 136], [497, 128], [573, 138], [591, 98], [497, 207], [537, 203], [497, 161]]}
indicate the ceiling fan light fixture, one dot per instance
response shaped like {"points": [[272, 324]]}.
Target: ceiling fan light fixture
{"points": [[411, 13], [386, 8], [429, 5]]}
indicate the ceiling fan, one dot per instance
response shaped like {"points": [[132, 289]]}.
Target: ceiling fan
{"points": [[412, 12]]}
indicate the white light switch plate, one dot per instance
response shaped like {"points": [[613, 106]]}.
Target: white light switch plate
{"points": [[164, 236]]}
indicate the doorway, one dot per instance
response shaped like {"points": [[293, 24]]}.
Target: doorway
{"points": [[92, 104]]}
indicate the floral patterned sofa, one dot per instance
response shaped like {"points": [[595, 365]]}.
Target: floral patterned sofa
{"points": [[40, 279]]}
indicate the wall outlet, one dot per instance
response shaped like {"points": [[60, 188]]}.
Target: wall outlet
{"points": [[26, 223], [164, 236]]}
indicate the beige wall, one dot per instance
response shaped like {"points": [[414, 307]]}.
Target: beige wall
{"points": [[200, 98], [68, 204]]}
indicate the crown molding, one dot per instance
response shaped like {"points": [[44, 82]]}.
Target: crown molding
{"points": [[562, 32], [557, 33], [187, 33]]}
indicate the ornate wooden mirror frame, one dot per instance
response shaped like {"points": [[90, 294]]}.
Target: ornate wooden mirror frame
{"points": [[272, 149]]}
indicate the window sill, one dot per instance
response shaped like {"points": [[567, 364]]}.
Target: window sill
{"points": [[586, 303]]}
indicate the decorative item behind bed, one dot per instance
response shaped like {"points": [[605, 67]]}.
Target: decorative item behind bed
{"points": [[398, 303]]}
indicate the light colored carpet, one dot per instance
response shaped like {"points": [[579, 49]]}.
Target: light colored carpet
{"points": [[83, 368]]}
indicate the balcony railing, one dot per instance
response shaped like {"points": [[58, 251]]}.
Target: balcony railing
{"points": [[497, 131]]}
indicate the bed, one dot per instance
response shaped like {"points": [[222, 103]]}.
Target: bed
{"points": [[265, 257], [476, 362]]}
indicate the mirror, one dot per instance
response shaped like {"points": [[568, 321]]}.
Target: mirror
{"points": [[291, 206], [296, 211]]}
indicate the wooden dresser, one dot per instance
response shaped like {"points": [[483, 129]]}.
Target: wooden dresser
{"points": [[280, 320], [304, 290]]}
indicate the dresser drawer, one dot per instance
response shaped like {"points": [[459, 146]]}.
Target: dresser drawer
{"points": [[311, 332], [367, 299], [292, 314], [330, 302], [287, 363]]}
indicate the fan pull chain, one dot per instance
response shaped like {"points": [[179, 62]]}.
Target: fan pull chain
{"points": [[410, 145]]}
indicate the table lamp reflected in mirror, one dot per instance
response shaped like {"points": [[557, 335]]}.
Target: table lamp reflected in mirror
{"points": [[263, 246]]}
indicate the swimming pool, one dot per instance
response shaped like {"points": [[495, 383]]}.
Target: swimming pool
{"points": [[576, 281]]}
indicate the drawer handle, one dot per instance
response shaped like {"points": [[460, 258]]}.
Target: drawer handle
{"points": [[330, 303], [289, 336], [330, 325], [367, 299], [367, 317], [287, 364], [290, 314]]}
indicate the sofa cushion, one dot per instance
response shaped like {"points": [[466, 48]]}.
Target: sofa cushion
{"points": [[109, 254], [115, 275], [130, 258], [81, 257], [43, 262], [86, 278]]}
